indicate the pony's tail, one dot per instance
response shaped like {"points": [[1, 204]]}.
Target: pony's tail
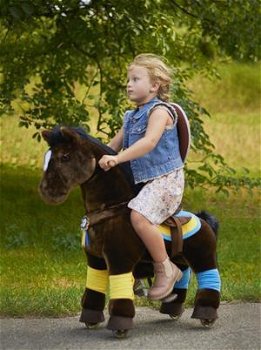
{"points": [[210, 219]]}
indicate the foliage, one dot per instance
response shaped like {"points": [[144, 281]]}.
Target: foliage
{"points": [[50, 48]]}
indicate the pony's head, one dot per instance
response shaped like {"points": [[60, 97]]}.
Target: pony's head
{"points": [[70, 161]]}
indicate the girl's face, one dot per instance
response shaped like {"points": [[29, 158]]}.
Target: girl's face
{"points": [[140, 89]]}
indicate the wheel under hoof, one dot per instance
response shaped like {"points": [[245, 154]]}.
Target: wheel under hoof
{"points": [[120, 333], [208, 323], [175, 317], [119, 323], [92, 325]]}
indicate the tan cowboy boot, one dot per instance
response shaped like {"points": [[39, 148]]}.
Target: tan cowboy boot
{"points": [[166, 275]]}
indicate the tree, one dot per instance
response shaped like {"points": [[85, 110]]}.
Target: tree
{"points": [[50, 48]]}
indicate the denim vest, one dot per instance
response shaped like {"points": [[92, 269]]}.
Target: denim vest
{"points": [[164, 158]]}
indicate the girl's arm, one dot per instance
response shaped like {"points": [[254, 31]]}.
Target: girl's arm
{"points": [[156, 126], [116, 141], [158, 120]]}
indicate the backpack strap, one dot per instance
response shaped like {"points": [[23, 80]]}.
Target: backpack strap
{"points": [[183, 131]]}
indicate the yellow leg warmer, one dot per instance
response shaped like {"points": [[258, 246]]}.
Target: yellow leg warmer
{"points": [[97, 280], [121, 286]]}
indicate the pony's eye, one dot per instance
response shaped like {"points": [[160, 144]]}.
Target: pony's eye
{"points": [[65, 157]]}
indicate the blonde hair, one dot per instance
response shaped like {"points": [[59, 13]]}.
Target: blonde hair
{"points": [[158, 72]]}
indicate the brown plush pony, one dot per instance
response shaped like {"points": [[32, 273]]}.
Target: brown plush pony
{"points": [[114, 252]]}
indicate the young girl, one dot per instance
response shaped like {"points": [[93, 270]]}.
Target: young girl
{"points": [[150, 141]]}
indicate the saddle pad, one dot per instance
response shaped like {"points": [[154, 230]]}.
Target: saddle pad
{"points": [[188, 229]]}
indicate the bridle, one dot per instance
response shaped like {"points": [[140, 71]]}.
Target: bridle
{"points": [[103, 213]]}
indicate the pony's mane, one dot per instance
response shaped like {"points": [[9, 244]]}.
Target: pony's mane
{"points": [[56, 138]]}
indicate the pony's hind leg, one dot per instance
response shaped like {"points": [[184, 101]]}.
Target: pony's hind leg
{"points": [[200, 252], [93, 299]]}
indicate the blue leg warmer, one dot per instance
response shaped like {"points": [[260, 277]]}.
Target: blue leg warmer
{"points": [[184, 281], [209, 279]]}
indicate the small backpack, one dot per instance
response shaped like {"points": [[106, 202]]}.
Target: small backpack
{"points": [[183, 131]]}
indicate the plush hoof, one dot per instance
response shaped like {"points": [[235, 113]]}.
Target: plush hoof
{"points": [[174, 310], [91, 325], [120, 333], [205, 313], [119, 323], [91, 317], [208, 323]]}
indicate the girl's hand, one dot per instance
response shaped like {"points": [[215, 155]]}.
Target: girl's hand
{"points": [[107, 162]]}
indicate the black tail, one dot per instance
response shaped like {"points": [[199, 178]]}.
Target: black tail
{"points": [[210, 219]]}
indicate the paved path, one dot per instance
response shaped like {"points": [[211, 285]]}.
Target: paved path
{"points": [[238, 328]]}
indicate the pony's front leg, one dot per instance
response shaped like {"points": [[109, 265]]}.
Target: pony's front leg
{"points": [[121, 305], [93, 300], [122, 250]]}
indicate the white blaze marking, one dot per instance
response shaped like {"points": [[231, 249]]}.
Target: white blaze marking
{"points": [[47, 158]]}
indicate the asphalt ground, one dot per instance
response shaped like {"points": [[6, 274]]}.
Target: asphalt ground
{"points": [[237, 328]]}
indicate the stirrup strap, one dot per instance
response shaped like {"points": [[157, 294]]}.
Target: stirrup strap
{"points": [[176, 237], [175, 225]]}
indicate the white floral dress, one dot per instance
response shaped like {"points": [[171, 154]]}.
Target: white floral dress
{"points": [[160, 197]]}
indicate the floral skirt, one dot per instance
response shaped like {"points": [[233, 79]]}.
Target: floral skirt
{"points": [[160, 197]]}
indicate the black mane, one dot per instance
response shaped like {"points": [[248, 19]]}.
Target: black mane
{"points": [[56, 138]]}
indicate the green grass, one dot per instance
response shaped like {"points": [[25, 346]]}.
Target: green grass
{"points": [[40, 284], [237, 138], [43, 268], [238, 240], [237, 90], [234, 104]]}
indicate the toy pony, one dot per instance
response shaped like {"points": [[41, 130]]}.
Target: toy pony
{"points": [[115, 254]]}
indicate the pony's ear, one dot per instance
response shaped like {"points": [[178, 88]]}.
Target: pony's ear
{"points": [[46, 135], [70, 134]]}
